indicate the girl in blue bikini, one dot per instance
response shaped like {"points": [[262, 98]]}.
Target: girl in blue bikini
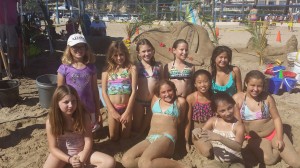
{"points": [[149, 73], [168, 111], [263, 124], [118, 89], [226, 78], [179, 71]]}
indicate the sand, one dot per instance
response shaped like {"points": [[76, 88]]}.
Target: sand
{"points": [[23, 140]]}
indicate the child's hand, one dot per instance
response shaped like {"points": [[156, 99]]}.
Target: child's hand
{"points": [[75, 161], [280, 145], [125, 118], [197, 133], [115, 114], [210, 136]]}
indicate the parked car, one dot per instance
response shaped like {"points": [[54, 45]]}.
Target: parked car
{"points": [[108, 17], [122, 18]]}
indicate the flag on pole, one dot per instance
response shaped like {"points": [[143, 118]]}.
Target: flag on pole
{"points": [[191, 15]]}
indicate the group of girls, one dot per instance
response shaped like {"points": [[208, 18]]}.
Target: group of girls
{"points": [[143, 96]]}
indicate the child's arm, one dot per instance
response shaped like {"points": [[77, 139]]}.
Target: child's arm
{"points": [[236, 109], [88, 141], [107, 101], [53, 146], [238, 78], [127, 115], [60, 79], [188, 120], [161, 71], [96, 97], [277, 122], [166, 72]]}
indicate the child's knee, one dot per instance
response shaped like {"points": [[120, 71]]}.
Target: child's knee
{"points": [[127, 160], [110, 162], [270, 160], [144, 163]]}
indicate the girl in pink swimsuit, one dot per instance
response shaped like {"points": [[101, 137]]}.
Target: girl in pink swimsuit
{"points": [[199, 103], [69, 133], [263, 125]]}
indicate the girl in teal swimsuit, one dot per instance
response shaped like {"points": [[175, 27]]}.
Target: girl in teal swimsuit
{"points": [[149, 73], [118, 89], [168, 111], [226, 78], [263, 125], [179, 71]]}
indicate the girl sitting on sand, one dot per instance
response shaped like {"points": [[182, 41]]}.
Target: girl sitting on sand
{"points": [[119, 89], [179, 71], [222, 133], [78, 70], [149, 73], [263, 124], [69, 133], [226, 78], [167, 112], [199, 105]]}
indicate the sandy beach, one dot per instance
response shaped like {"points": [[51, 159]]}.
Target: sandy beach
{"points": [[23, 141]]}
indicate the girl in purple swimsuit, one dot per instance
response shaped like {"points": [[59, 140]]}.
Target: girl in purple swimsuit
{"points": [[149, 73], [263, 125], [199, 105], [119, 90], [69, 133]]}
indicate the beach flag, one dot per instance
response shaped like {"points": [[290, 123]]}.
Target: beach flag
{"points": [[189, 14]]}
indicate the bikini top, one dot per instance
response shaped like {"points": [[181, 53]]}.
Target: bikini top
{"points": [[229, 88], [119, 83], [171, 111], [202, 111], [143, 73], [248, 115], [176, 74]]}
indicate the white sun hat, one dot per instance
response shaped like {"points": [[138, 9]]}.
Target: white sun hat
{"points": [[76, 39]]}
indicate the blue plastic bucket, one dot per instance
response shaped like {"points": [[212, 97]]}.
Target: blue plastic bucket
{"points": [[276, 70], [289, 84], [274, 85], [100, 95]]}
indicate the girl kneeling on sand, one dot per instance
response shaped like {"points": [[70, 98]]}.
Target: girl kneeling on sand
{"points": [[69, 133], [167, 112], [263, 124], [222, 133]]}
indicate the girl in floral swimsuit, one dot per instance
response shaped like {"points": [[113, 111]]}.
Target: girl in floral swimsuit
{"points": [[168, 111], [118, 89], [199, 105], [263, 125]]}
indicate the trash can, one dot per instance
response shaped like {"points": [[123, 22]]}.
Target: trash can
{"points": [[9, 92], [46, 85]]}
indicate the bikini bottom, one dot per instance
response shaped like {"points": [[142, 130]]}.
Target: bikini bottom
{"points": [[120, 108], [269, 137], [145, 104], [154, 137]]}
